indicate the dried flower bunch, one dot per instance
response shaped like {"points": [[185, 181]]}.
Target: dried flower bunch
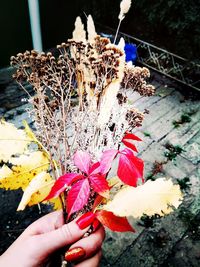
{"points": [[84, 121], [81, 96]]}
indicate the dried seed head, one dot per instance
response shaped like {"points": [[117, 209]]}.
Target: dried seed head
{"points": [[79, 34], [124, 8], [134, 118], [91, 29]]}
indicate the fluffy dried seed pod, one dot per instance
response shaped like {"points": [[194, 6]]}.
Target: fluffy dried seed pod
{"points": [[79, 34], [91, 29], [124, 8]]}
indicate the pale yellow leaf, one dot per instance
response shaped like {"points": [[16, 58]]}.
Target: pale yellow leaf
{"points": [[5, 171], [24, 169], [56, 203], [33, 137], [114, 181], [39, 185], [37, 190], [12, 141], [153, 197], [29, 132]]}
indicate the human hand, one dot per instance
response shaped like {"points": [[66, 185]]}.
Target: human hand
{"points": [[48, 234]]}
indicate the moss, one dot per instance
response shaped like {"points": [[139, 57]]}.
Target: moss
{"points": [[147, 134], [173, 151], [184, 183], [148, 221], [185, 118], [157, 168]]}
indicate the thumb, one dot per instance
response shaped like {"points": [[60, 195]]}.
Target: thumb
{"points": [[63, 236]]}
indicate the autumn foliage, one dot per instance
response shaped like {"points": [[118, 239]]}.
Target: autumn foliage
{"points": [[91, 178]]}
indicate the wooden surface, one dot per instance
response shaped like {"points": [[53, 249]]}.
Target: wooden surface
{"points": [[175, 239]]}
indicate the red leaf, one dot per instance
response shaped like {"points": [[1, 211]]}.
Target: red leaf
{"points": [[130, 168], [61, 184], [97, 201], [113, 222], [130, 145], [100, 185], [127, 141], [106, 160], [95, 168], [82, 160], [131, 136], [78, 196]]}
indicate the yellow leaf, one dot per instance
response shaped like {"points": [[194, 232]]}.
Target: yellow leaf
{"points": [[24, 169], [29, 132], [34, 139], [37, 190], [5, 171], [55, 202], [114, 181], [153, 197], [12, 141]]}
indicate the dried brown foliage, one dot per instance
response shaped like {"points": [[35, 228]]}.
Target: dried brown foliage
{"points": [[80, 99]]}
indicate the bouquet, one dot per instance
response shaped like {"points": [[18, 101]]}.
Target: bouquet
{"points": [[82, 156]]}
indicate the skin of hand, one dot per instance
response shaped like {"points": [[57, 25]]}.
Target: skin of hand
{"points": [[48, 234]]}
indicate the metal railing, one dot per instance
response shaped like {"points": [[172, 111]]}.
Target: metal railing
{"points": [[158, 59]]}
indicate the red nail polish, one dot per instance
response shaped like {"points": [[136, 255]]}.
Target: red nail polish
{"points": [[85, 220], [75, 254], [95, 225]]}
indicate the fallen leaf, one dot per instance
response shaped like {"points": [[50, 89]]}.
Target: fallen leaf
{"points": [[153, 197]]}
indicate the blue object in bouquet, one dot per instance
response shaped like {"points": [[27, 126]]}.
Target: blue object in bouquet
{"points": [[131, 52]]}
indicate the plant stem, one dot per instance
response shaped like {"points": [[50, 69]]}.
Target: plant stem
{"points": [[117, 31]]}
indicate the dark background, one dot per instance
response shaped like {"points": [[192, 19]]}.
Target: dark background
{"points": [[172, 24]]}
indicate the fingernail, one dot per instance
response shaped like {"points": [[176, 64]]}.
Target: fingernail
{"points": [[75, 254], [85, 220], [95, 225]]}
